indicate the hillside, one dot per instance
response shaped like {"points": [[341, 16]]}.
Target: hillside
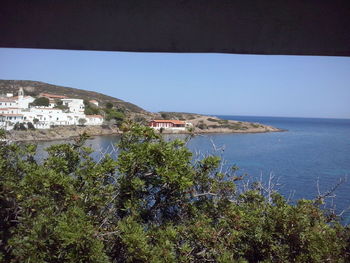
{"points": [[35, 87], [211, 124], [201, 123]]}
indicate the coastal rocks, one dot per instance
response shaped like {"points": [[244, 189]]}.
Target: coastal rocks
{"points": [[59, 133], [210, 124]]}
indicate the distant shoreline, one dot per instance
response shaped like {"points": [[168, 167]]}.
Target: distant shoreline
{"points": [[70, 132]]}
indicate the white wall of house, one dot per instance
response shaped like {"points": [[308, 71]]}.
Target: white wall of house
{"points": [[10, 110], [94, 119], [23, 102], [8, 121], [6, 103], [17, 109], [75, 105]]}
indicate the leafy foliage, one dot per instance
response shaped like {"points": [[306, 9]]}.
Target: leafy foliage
{"points": [[30, 126], [109, 105], [42, 101], [154, 203], [115, 115], [82, 121], [19, 127], [90, 109]]}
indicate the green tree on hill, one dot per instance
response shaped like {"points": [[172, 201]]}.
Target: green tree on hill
{"points": [[42, 101], [90, 109], [114, 115], [109, 105]]}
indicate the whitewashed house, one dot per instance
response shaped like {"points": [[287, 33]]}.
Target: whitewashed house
{"points": [[18, 109], [6, 102], [74, 105], [94, 120]]}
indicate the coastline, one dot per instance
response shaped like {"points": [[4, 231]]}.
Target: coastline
{"points": [[69, 132], [59, 133]]}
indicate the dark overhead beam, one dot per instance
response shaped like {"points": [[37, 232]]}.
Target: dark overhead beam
{"points": [[289, 27]]}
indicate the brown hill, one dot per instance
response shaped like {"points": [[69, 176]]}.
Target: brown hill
{"points": [[33, 88]]}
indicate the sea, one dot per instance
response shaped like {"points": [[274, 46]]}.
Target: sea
{"points": [[311, 157]]}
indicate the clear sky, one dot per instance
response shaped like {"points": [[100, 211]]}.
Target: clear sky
{"points": [[222, 84]]}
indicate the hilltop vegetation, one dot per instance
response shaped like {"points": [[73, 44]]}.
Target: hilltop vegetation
{"points": [[115, 111], [212, 124], [33, 88], [154, 203]]}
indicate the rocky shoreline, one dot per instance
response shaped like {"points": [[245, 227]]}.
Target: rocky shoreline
{"points": [[59, 133], [68, 132], [210, 124]]}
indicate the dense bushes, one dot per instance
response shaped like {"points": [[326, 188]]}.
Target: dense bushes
{"points": [[42, 101], [153, 204], [90, 109]]}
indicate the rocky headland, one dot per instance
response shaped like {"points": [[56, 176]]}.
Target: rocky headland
{"points": [[119, 111]]}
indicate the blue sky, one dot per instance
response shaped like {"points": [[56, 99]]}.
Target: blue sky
{"points": [[227, 84]]}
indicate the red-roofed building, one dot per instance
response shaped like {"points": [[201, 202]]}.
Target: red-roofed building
{"points": [[51, 96], [157, 124], [95, 102]]}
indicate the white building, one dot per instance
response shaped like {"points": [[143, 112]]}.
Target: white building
{"points": [[8, 102], [18, 109], [94, 119], [74, 105], [172, 125]]}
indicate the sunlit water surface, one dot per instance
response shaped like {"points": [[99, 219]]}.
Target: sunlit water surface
{"points": [[310, 150]]}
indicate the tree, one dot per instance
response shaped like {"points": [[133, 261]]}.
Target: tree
{"points": [[82, 121], [90, 109], [165, 115], [153, 203], [109, 105], [59, 105], [115, 115], [42, 101], [54, 212], [19, 127], [30, 126]]}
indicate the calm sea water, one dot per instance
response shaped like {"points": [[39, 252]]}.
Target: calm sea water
{"points": [[310, 150]]}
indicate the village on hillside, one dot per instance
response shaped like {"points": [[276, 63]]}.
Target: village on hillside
{"points": [[47, 110], [43, 112]]}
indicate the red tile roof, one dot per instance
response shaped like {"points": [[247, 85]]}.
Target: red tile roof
{"points": [[7, 100], [169, 121], [16, 97], [48, 109], [9, 108], [94, 116], [54, 96]]}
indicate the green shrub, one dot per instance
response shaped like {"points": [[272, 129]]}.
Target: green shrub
{"points": [[154, 203], [42, 101], [213, 120], [202, 126], [30, 126]]}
